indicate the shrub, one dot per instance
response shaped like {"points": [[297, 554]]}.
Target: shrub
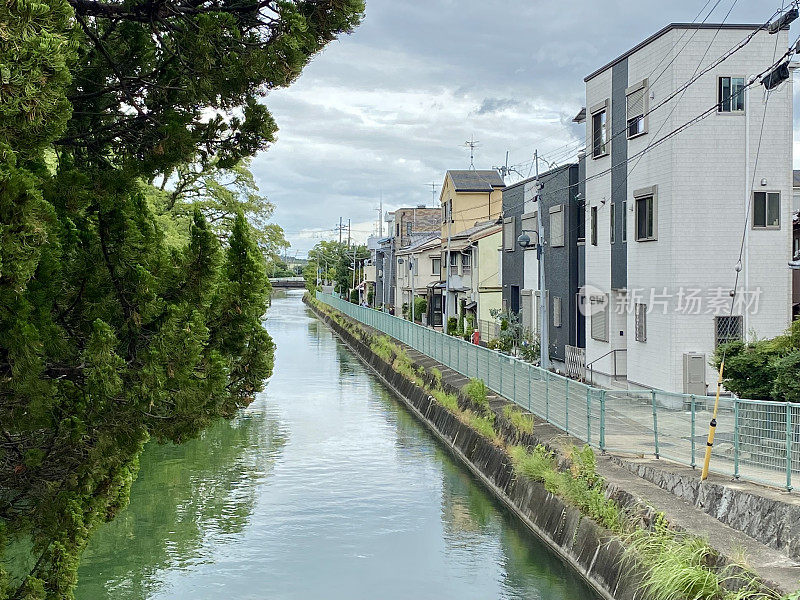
{"points": [[420, 308], [477, 391], [354, 296], [452, 325], [449, 401], [519, 420], [483, 424]]}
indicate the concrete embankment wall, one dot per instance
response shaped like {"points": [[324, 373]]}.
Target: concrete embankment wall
{"points": [[593, 552]]}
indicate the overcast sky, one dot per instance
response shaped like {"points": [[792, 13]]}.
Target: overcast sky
{"points": [[386, 110]]}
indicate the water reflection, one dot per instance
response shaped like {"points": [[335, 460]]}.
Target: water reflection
{"points": [[324, 488]]}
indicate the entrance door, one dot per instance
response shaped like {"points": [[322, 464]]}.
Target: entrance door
{"points": [[436, 310], [515, 299]]}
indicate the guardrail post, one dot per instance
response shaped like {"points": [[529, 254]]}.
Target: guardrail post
{"points": [[603, 421], [513, 379], [547, 396], [500, 372], [589, 416], [788, 446], [735, 437], [694, 443], [530, 384], [655, 422]]}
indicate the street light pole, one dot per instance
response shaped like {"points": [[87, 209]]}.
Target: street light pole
{"points": [[544, 330]]}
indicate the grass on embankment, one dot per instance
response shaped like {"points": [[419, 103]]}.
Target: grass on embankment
{"points": [[675, 565]]}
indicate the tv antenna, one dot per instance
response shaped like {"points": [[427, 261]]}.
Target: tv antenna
{"points": [[471, 144], [505, 170]]}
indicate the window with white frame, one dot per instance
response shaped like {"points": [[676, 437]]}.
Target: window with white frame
{"points": [[556, 225], [436, 265], [556, 311], [728, 329], [454, 263], [640, 318], [509, 234], [730, 94], [766, 210], [594, 226], [646, 210], [466, 263], [409, 227], [599, 318], [624, 220], [600, 133], [637, 107]]}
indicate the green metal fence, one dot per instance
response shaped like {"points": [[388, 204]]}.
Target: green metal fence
{"points": [[755, 440]]}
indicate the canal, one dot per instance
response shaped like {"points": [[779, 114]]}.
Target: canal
{"points": [[324, 487]]}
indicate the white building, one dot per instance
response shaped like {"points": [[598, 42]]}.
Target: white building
{"points": [[418, 267], [664, 226]]}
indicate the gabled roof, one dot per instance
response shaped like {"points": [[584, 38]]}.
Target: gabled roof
{"points": [[668, 28], [475, 230], [476, 181], [432, 240]]}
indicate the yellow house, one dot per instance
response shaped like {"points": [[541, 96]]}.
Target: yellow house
{"points": [[468, 198], [487, 282]]}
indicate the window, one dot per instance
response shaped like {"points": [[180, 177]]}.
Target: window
{"points": [[557, 225], [599, 134], [450, 210], [730, 94], [509, 234], [436, 266], [767, 210], [581, 221], [727, 329], [454, 263], [408, 228], [624, 220], [556, 311], [636, 99], [466, 263], [594, 226], [613, 223], [646, 214], [397, 230], [599, 313], [640, 317]]}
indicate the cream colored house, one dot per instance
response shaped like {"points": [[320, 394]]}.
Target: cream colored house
{"points": [[487, 282], [418, 266], [467, 198]]}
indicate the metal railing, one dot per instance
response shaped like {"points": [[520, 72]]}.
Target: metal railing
{"points": [[620, 366], [756, 440]]}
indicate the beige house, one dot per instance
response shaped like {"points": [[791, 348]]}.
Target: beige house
{"points": [[487, 283], [468, 198], [418, 266]]}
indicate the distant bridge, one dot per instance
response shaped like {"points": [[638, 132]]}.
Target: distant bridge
{"points": [[288, 282]]}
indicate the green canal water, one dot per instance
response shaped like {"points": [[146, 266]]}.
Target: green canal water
{"points": [[325, 487]]}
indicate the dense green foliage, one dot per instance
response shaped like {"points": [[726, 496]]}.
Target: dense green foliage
{"points": [[763, 369], [132, 245], [332, 263]]}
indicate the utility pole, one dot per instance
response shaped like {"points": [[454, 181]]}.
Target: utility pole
{"points": [[340, 229], [348, 233], [413, 297], [433, 194], [445, 311], [544, 329]]}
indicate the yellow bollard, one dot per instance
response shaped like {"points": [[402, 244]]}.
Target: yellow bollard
{"points": [[712, 428]]}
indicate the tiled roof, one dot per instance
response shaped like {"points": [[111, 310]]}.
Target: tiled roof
{"points": [[476, 181]]}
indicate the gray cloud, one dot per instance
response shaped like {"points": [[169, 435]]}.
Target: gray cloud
{"points": [[387, 110]]}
